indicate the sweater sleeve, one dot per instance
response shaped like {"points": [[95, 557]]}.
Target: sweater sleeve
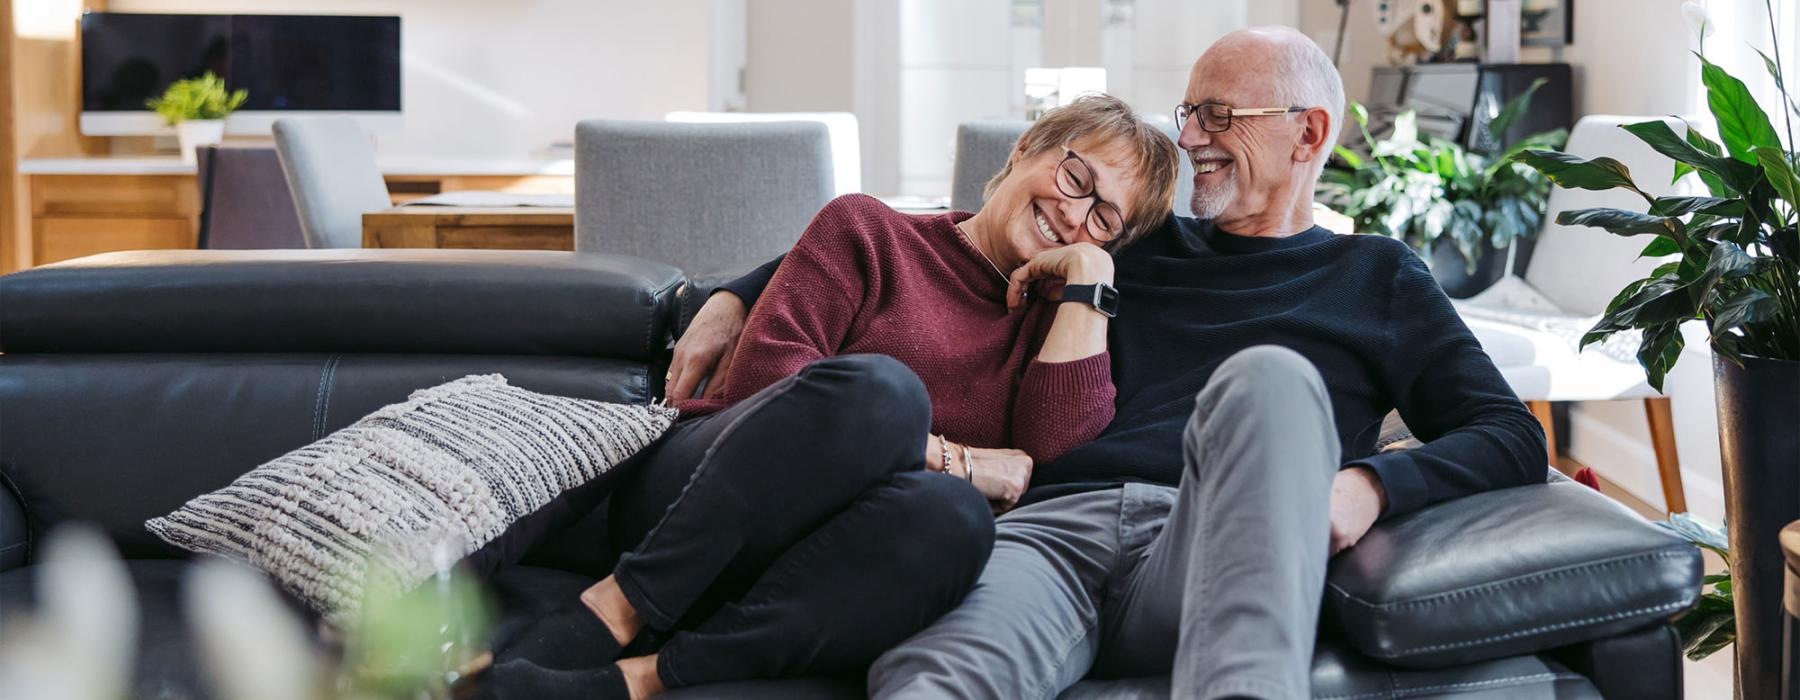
{"points": [[806, 310], [1060, 405], [1478, 436], [751, 285]]}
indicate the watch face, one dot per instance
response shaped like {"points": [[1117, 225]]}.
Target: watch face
{"points": [[1107, 299]]}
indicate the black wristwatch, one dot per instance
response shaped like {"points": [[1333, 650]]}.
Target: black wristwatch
{"points": [[1102, 296]]}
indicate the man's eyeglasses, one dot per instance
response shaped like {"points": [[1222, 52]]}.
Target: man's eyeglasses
{"points": [[1215, 117], [1075, 179]]}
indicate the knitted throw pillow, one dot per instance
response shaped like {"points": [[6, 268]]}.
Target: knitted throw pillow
{"points": [[454, 465]]}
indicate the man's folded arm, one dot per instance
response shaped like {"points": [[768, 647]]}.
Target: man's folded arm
{"points": [[751, 285], [1477, 435]]}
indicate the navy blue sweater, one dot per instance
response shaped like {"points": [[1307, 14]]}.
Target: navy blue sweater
{"points": [[1363, 309]]}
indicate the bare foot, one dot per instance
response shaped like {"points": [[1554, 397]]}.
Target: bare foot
{"points": [[640, 677], [609, 604]]}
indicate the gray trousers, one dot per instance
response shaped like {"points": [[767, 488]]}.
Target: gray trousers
{"points": [[1216, 582]]}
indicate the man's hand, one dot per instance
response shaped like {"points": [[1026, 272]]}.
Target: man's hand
{"points": [[1357, 499], [706, 348], [1079, 263]]}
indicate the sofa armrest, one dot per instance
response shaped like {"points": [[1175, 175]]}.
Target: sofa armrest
{"points": [[1507, 572], [473, 302]]}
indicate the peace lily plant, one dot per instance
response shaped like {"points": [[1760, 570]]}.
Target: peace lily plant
{"points": [[1735, 267]]}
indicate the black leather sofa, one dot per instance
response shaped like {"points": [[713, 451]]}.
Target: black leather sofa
{"points": [[131, 382]]}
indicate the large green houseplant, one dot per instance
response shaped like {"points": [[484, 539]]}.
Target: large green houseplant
{"points": [[1431, 192], [1735, 268]]}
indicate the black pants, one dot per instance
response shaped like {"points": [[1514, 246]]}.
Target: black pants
{"points": [[796, 533]]}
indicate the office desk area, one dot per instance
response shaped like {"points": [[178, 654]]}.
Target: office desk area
{"points": [[94, 204]]}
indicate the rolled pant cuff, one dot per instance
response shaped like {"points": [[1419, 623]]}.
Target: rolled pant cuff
{"points": [[647, 610], [1252, 687]]}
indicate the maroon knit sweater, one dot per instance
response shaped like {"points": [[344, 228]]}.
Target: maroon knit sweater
{"points": [[867, 279]]}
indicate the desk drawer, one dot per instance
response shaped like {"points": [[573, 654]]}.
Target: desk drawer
{"points": [[101, 195]]}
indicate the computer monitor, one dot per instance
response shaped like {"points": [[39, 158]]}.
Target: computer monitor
{"points": [[289, 64]]}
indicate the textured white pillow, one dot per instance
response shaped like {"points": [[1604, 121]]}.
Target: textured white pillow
{"points": [[456, 463]]}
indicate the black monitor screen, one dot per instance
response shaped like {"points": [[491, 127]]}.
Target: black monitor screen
{"points": [[285, 62]]}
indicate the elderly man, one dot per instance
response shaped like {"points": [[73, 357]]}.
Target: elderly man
{"points": [[1192, 537]]}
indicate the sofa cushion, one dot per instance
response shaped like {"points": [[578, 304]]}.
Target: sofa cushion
{"points": [[456, 465], [1505, 573], [491, 302], [117, 439]]}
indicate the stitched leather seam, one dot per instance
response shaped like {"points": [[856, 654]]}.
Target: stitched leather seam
{"points": [[24, 509], [650, 327], [1664, 608], [1467, 685], [1500, 585], [322, 395]]}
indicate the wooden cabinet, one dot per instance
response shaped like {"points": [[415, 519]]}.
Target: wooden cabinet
{"points": [[77, 215]]}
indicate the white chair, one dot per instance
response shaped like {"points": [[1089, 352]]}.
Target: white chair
{"points": [[331, 172], [846, 139], [1530, 326]]}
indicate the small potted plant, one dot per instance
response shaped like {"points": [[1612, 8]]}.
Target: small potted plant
{"points": [[1453, 206], [197, 107]]}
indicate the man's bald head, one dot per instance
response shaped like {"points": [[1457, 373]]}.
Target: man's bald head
{"points": [[1270, 106], [1291, 64]]}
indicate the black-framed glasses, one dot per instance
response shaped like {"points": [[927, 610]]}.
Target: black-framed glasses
{"points": [[1215, 117], [1075, 179]]}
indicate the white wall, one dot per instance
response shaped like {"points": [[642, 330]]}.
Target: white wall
{"points": [[507, 79]]}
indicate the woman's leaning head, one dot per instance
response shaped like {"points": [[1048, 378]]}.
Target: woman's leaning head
{"points": [[1091, 171]]}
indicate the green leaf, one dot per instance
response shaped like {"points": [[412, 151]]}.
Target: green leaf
{"points": [[1511, 111], [1679, 206], [1660, 137], [1662, 246], [1350, 158], [1779, 172], [1728, 261], [1750, 306], [1743, 125], [1659, 350], [1574, 172], [1618, 221]]}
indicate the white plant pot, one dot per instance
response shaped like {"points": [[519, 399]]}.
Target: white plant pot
{"points": [[195, 133]]}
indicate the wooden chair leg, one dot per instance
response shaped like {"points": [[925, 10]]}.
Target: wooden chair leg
{"points": [[1541, 409], [1668, 463]]}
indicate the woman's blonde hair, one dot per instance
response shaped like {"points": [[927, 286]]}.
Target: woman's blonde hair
{"points": [[1152, 154]]}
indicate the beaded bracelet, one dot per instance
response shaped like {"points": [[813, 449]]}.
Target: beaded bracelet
{"points": [[944, 446]]}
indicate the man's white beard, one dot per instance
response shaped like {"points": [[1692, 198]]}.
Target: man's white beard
{"points": [[1210, 202]]}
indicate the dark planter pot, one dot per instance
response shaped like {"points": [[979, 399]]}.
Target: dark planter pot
{"points": [[1447, 267], [1760, 449]]}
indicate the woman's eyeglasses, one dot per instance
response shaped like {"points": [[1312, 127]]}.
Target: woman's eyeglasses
{"points": [[1075, 179]]}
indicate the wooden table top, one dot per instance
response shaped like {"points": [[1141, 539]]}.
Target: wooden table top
{"points": [[471, 216]]}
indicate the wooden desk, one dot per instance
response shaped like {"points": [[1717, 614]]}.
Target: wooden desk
{"points": [[507, 228]]}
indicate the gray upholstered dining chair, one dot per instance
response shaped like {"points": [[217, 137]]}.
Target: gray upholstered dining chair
{"points": [[702, 197], [982, 148], [331, 171], [244, 200]]}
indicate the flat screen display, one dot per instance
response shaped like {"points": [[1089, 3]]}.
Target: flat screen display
{"points": [[286, 62]]}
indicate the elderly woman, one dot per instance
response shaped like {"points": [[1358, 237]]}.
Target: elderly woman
{"points": [[894, 384]]}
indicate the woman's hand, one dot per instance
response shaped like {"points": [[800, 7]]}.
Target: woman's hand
{"points": [[1078, 263], [1000, 474]]}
